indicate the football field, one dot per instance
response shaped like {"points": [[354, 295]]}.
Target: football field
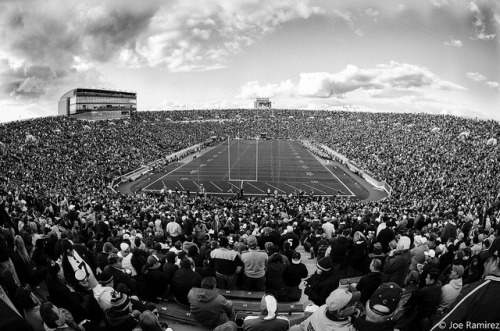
{"points": [[258, 167]]}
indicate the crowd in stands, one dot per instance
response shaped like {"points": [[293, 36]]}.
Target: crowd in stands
{"points": [[108, 259]]}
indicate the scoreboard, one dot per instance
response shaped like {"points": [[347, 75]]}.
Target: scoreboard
{"points": [[262, 103]]}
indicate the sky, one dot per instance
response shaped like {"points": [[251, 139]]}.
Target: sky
{"points": [[432, 56]]}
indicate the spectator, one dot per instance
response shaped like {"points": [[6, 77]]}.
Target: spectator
{"points": [[268, 318], [208, 307], [371, 281], [397, 262], [336, 313], [120, 316], [293, 275], [380, 309], [227, 264], [451, 291], [321, 283], [183, 281], [254, 266], [120, 275], [477, 303]]}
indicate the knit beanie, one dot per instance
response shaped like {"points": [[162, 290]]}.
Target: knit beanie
{"points": [[325, 264], [119, 301]]}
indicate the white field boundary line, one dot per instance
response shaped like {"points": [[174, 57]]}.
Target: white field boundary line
{"points": [[341, 182], [256, 187], [168, 173], [314, 188], [216, 186], [274, 187], [339, 191]]}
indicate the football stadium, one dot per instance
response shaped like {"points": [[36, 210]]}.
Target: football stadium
{"points": [[249, 165], [335, 187]]}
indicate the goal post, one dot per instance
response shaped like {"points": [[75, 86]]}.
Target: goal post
{"points": [[241, 153]]}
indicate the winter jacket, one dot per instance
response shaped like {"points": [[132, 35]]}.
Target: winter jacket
{"points": [[450, 292], [119, 320], [207, 305], [396, 267]]}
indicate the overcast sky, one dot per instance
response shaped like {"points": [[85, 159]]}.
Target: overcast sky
{"points": [[435, 56]]}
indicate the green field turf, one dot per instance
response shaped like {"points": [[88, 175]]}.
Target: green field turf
{"points": [[259, 167]]}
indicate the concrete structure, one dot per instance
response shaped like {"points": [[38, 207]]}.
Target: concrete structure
{"points": [[97, 104]]}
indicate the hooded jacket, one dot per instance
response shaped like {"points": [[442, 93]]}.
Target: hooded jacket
{"points": [[119, 320], [318, 322], [360, 324], [450, 292], [268, 319], [207, 305]]}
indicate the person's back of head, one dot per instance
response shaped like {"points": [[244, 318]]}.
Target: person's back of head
{"points": [[49, 316], [209, 283]]}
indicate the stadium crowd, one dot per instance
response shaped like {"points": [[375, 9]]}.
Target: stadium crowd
{"points": [[107, 259]]}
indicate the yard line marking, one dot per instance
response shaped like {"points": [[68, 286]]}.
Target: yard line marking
{"points": [[182, 165], [255, 187], [233, 185], [295, 188], [216, 186], [314, 188], [182, 187], [275, 188], [198, 186]]}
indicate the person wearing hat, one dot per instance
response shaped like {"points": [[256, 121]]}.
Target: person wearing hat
{"points": [[120, 276], [397, 263], [126, 255], [120, 316], [293, 275], [336, 313], [102, 292], [451, 291], [208, 307], [268, 318], [155, 281], [426, 299], [380, 309], [477, 303], [254, 266], [322, 282]]}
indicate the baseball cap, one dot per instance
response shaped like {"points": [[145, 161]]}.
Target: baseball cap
{"points": [[431, 253], [296, 258], [341, 298], [385, 300]]}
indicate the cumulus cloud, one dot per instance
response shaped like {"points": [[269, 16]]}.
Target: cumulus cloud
{"points": [[475, 76], [494, 85], [45, 42], [191, 36], [384, 77], [252, 90], [481, 23], [453, 43]]}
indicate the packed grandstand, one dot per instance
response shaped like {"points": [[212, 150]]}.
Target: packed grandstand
{"points": [[434, 238]]}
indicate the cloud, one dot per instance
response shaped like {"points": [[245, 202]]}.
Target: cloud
{"points": [[494, 85], [439, 3], [475, 76], [252, 90], [195, 36], [453, 43], [481, 23], [383, 77]]}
